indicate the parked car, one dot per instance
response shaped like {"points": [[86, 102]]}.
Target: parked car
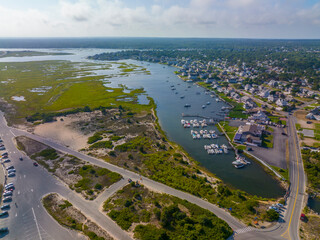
{"points": [[5, 206], [4, 230], [9, 185], [10, 167], [6, 160], [7, 194], [11, 170], [20, 158], [35, 164], [7, 199], [11, 174], [303, 217], [5, 213], [10, 189], [4, 154]]}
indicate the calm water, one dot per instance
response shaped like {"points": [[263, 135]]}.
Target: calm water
{"points": [[170, 106], [314, 204]]}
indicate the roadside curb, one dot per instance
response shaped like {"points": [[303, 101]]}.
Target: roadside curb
{"points": [[265, 164]]}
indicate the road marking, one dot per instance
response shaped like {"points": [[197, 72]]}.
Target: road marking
{"points": [[18, 192], [31, 189], [24, 176], [243, 230], [16, 215], [295, 200], [35, 219], [12, 133]]}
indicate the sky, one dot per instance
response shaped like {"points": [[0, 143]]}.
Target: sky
{"points": [[161, 18]]}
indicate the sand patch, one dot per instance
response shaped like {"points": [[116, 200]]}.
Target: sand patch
{"points": [[302, 120], [62, 132]]}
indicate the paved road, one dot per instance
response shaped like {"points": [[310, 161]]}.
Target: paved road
{"points": [[286, 229], [233, 222], [28, 219]]}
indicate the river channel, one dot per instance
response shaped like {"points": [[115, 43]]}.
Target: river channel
{"points": [[170, 106]]}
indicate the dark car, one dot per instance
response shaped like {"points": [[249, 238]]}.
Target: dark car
{"points": [[7, 199], [5, 213], [4, 229], [5, 206], [35, 164], [284, 134], [20, 158]]}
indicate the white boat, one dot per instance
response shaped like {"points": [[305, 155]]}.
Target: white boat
{"points": [[239, 165], [217, 100], [187, 105], [203, 106]]}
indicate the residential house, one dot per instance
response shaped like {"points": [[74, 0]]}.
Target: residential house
{"points": [[281, 102]]}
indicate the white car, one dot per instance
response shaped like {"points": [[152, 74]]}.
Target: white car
{"points": [[10, 167], [7, 194], [11, 174], [11, 170], [9, 185]]}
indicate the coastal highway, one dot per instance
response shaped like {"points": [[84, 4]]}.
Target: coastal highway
{"points": [[298, 183], [287, 228]]}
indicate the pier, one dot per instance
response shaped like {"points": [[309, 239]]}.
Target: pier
{"points": [[211, 121]]}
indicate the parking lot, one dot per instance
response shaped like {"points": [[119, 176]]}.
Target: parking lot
{"points": [[275, 156]]}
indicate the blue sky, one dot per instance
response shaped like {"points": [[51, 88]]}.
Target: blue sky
{"points": [[161, 18]]}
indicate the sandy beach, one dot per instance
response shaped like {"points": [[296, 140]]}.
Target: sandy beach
{"points": [[62, 132]]}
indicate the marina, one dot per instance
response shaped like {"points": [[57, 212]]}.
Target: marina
{"points": [[170, 107]]}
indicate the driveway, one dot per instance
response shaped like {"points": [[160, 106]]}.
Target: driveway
{"points": [[275, 156]]}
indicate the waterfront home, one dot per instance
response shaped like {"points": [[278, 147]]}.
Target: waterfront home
{"points": [[253, 140], [252, 129], [249, 134]]}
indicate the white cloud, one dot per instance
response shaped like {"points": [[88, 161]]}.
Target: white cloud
{"points": [[79, 11], [193, 18]]}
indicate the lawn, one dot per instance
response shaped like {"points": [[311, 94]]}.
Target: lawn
{"points": [[283, 172], [276, 119], [231, 131], [267, 140]]}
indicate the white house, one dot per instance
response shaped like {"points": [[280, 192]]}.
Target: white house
{"points": [[281, 102]]}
